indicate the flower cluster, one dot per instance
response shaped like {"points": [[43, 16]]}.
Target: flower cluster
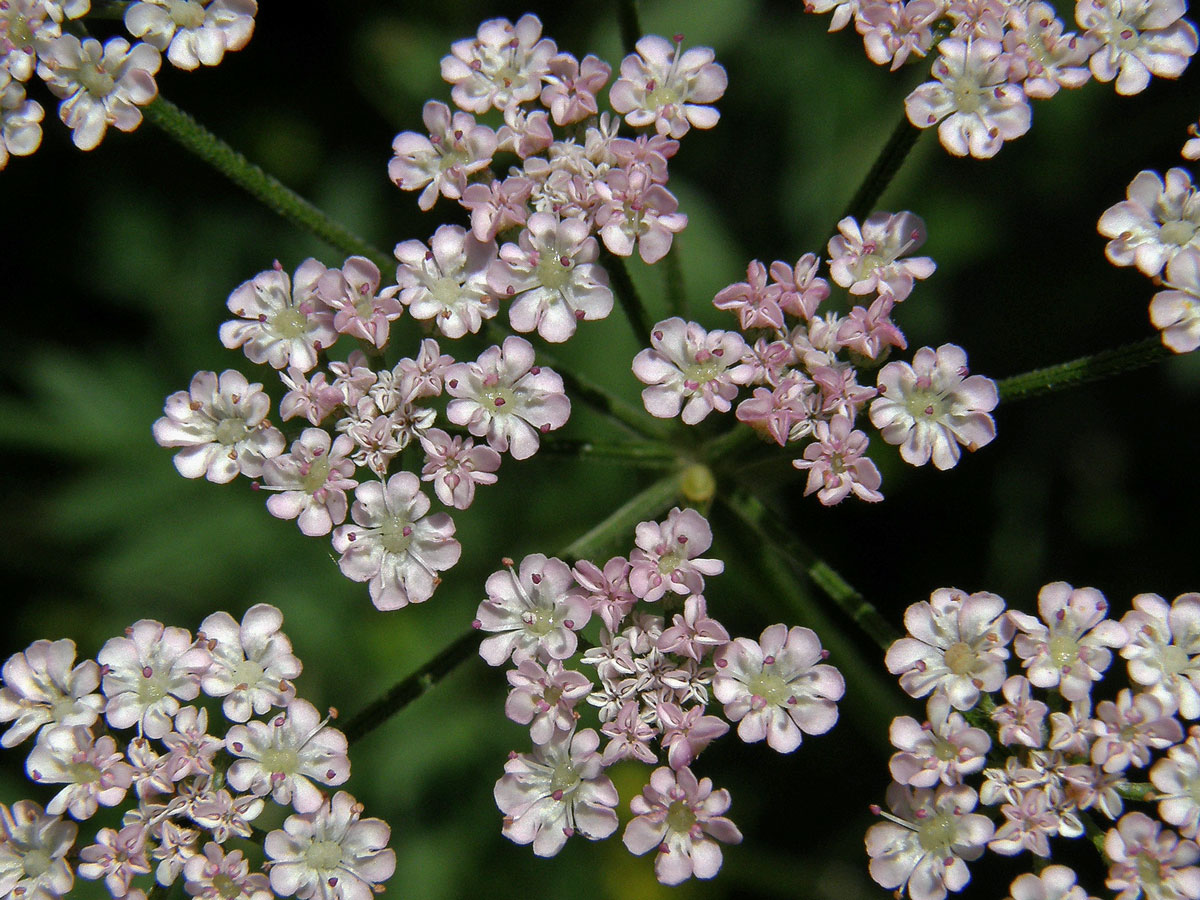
{"points": [[1051, 766], [564, 194], [804, 366], [1157, 229], [654, 676], [996, 56], [115, 732], [362, 412], [103, 84]]}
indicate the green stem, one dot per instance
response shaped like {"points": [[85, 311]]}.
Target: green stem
{"points": [[264, 187], [677, 301], [887, 164], [412, 687], [627, 295], [647, 504], [774, 533], [627, 22], [629, 453], [1081, 371], [650, 503]]}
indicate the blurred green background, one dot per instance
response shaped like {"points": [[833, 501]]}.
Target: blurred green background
{"points": [[128, 253]]}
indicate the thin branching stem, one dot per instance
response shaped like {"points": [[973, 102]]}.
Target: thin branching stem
{"points": [[627, 22], [627, 295], [649, 503], [764, 523], [1104, 364], [887, 164], [268, 189]]}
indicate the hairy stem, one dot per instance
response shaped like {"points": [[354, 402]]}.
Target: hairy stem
{"points": [[763, 522], [627, 295], [264, 187], [639, 454], [887, 164], [1080, 371]]}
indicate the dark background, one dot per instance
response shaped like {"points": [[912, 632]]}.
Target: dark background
{"points": [[118, 263]]}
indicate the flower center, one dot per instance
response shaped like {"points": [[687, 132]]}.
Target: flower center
{"points": [[396, 535], [36, 862], [324, 855], [84, 773], [318, 474], [937, 834], [226, 886], [960, 658], [926, 404], [967, 96], [680, 817], [540, 621], [282, 760], [1063, 649], [288, 323], [187, 13], [498, 399], [1179, 233], [554, 271], [1149, 873], [668, 563], [248, 673], [1174, 660], [95, 80], [230, 431], [564, 779], [552, 695], [701, 373], [771, 688]]}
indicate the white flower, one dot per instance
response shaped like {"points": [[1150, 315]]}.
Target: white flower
{"points": [[932, 406], [193, 32], [330, 853], [99, 85], [252, 663], [1141, 38]]}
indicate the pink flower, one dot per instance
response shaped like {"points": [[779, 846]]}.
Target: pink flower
{"points": [[893, 31], [1176, 781], [1068, 648], [686, 732], [501, 67], [943, 749], [507, 398], [1141, 38], [311, 481], [33, 851], [668, 89], [978, 108], [1148, 860], [922, 848], [213, 875], [497, 205], [1028, 825], [448, 281], [535, 613], [690, 369], [148, 672], [668, 556], [20, 119], [455, 465], [99, 86], [221, 424], [1176, 312], [571, 87], [1020, 720], [694, 634], [283, 757], [1054, 882], [195, 33], [252, 662], [633, 209], [545, 697], [117, 857], [1129, 729], [556, 791], [957, 645], [932, 406], [683, 818], [280, 321], [607, 590], [456, 148], [775, 688], [359, 309], [393, 544], [44, 687], [867, 260], [1158, 220], [93, 770], [551, 277], [838, 465], [1045, 59], [330, 852]]}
